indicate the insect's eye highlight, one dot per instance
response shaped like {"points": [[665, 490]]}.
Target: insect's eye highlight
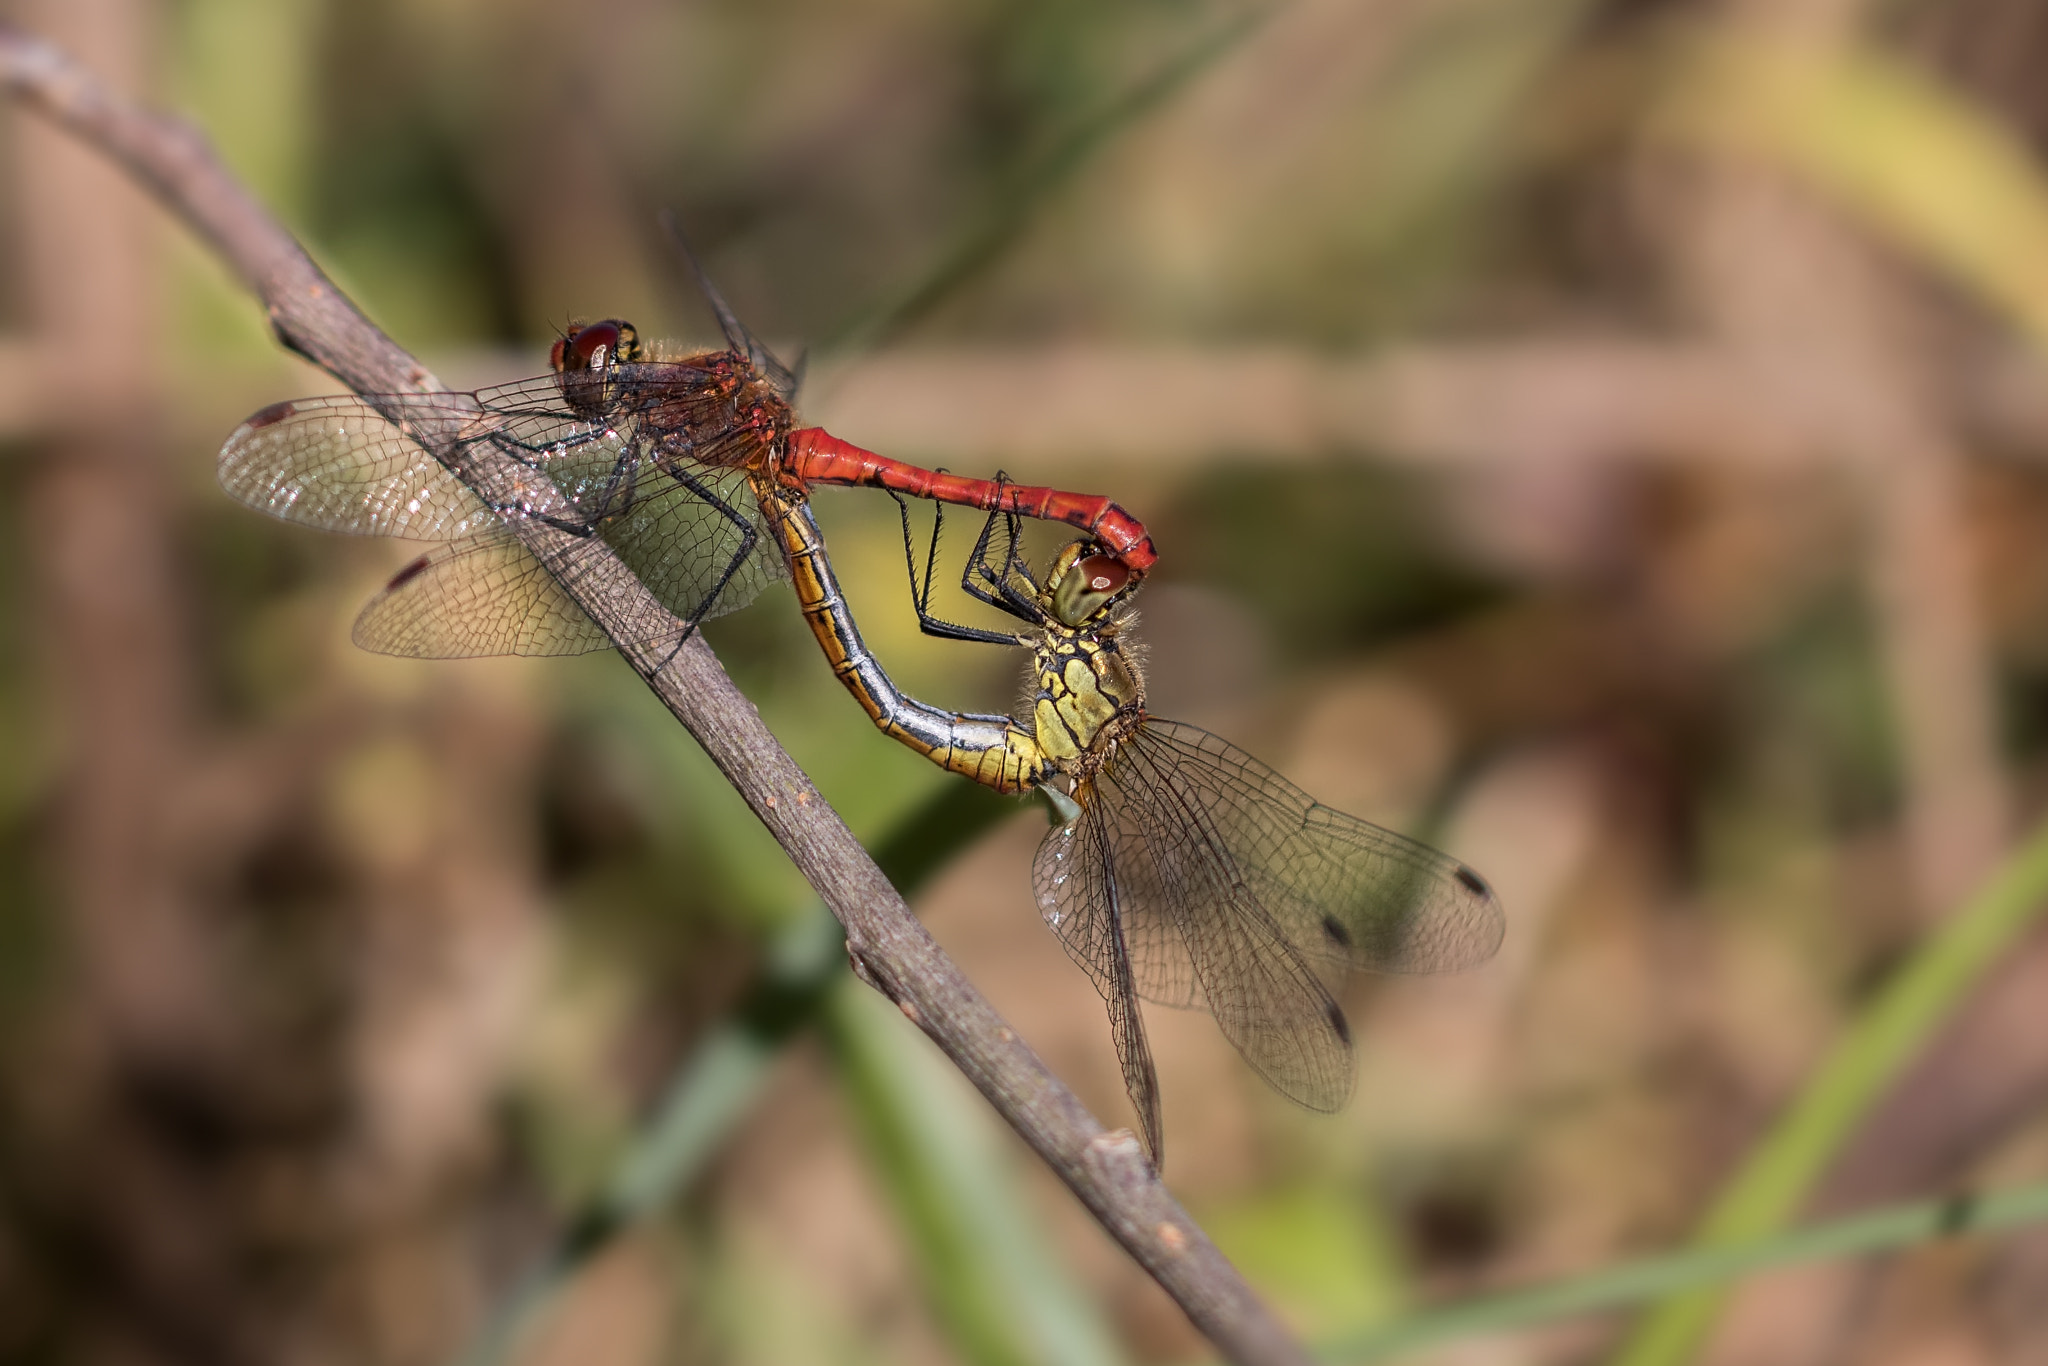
{"points": [[596, 346], [1103, 574], [1087, 586]]}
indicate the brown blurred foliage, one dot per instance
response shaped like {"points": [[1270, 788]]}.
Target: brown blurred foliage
{"points": [[1552, 451]]}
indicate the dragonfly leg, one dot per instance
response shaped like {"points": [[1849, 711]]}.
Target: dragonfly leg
{"points": [[921, 592], [536, 455], [749, 537], [613, 496], [977, 564], [995, 588], [1014, 582], [519, 449], [625, 476]]}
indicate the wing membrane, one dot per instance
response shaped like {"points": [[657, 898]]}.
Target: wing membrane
{"points": [[340, 464], [1347, 893], [488, 595], [1077, 878], [1232, 889], [690, 532]]}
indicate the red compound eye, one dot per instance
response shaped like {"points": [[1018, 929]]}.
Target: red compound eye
{"points": [[589, 348], [1087, 587], [1104, 573]]}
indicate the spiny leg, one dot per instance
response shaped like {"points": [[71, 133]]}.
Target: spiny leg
{"points": [[1014, 582], [749, 536], [589, 514], [995, 587], [921, 595]]}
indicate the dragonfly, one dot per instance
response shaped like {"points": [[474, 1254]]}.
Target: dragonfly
{"points": [[633, 453], [1180, 869]]}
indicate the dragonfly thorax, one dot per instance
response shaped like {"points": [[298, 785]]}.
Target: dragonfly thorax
{"points": [[1087, 694], [724, 414]]}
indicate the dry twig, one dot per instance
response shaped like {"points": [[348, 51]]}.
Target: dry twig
{"points": [[889, 948]]}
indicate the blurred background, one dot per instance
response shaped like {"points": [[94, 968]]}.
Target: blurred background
{"points": [[1608, 438]]}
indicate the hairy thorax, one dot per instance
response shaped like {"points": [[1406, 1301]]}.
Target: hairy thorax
{"points": [[1087, 695]]}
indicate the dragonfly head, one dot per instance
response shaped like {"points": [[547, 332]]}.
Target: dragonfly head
{"points": [[584, 359], [596, 346], [1084, 583]]}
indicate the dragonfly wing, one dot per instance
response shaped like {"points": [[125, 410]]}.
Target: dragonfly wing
{"points": [[1075, 877], [488, 595], [1138, 896], [1268, 999], [352, 464], [1346, 893], [1098, 887], [1237, 891], [698, 543], [340, 465], [484, 595]]}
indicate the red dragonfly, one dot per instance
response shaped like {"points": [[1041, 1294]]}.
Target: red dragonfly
{"points": [[648, 456]]}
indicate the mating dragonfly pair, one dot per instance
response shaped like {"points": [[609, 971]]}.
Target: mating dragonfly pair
{"points": [[1180, 870]]}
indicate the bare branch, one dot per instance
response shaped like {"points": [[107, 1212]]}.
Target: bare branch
{"points": [[888, 946]]}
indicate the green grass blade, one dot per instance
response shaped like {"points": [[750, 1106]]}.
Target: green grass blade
{"points": [[1782, 1169], [999, 1290], [1650, 1278], [710, 1093], [715, 1086]]}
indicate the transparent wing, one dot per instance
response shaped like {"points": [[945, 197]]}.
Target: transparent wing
{"points": [[1345, 892], [339, 464], [699, 549], [658, 482], [1075, 876], [484, 595], [1233, 889]]}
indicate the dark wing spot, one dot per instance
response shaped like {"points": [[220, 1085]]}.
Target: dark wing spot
{"points": [[271, 416], [408, 574], [1334, 928], [1340, 1024], [1473, 883]]}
